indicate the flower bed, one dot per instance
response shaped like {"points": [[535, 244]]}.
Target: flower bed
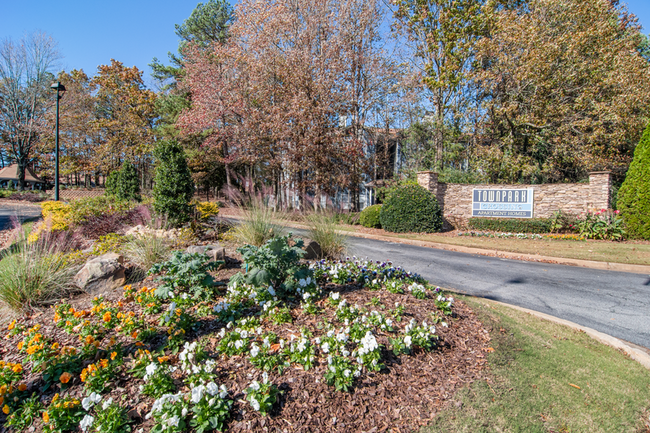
{"points": [[555, 236], [329, 346]]}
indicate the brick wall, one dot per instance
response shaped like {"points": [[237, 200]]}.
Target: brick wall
{"points": [[456, 199]]}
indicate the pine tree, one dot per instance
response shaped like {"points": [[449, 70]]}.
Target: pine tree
{"points": [[634, 195], [173, 188], [128, 185]]}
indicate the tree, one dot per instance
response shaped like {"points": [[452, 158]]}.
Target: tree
{"points": [[26, 73], [565, 90], [125, 117], [443, 35], [173, 187], [634, 195], [128, 186]]}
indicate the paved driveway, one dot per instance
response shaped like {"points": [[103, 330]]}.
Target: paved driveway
{"points": [[18, 210]]}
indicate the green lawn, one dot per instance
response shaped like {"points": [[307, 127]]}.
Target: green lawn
{"points": [[545, 377]]}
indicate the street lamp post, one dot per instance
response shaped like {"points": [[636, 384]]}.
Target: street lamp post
{"points": [[60, 90]]}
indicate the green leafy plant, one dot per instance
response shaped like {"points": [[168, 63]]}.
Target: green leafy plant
{"points": [[157, 380], [24, 416], [411, 208], [110, 418], [340, 373], [63, 414], [370, 217], [128, 184], [186, 273], [173, 185], [633, 198], [603, 224], [210, 407], [275, 264], [262, 396]]}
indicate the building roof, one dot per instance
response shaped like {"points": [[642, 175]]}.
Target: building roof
{"points": [[11, 173]]}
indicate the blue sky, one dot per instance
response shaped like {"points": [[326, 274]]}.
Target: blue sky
{"points": [[91, 32]]}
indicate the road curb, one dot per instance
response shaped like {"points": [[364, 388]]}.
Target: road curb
{"points": [[638, 353], [591, 264]]}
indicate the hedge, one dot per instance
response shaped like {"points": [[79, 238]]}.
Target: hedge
{"points": [[370, 217], [511, 225], [411, 208]]}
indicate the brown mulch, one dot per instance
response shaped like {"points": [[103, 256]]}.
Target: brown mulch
{"points": [[406, 394]]}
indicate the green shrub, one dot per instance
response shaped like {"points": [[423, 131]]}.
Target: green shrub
{"points": [[634, 195], [323, 228], [370, 217], [128, 184], [512, 225], [173, 188], [85, 208], [111, 183], [411, 208]]}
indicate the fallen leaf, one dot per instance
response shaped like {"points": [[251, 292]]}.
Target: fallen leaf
{"points": [[575, 386]]}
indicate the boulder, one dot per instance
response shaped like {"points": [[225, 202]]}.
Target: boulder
{"points": [[215, 252], [101, 274], [313, 251]]}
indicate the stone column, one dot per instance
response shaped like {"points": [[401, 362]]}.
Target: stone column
{"points": [[429, 181], [600, 184]]}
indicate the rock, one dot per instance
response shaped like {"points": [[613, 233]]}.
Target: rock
{"points": [[313, 251], [101, 274], [215, 252]]}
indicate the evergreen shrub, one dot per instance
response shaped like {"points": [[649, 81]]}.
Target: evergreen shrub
{"points": [[124, 184], [173, 188], [370, 217], [512, 225], [634, 196], [411, 208]]}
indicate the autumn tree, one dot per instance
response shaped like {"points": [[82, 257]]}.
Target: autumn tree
{"points": [[125, 117], [26, 73], [565, 90]]}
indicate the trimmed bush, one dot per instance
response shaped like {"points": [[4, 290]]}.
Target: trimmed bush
{"points": [[173, 188], [411, 208], [634, 195], [370, 217], [512, 225], [128, 185]]}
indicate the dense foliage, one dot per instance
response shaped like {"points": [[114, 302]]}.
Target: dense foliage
{"points": [[634, 195], [411, 208], [512, 225], [370, 216], [173, 188], [124, 183]]}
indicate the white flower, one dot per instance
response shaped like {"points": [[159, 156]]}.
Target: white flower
{"points": [[198, 393], [86, 422], [224, 391], [173, 421], [239, 344], [255, 385], [212, 388], [335, 295], [86, 403], [184, 412], [255, 350], [308, 281], [347, 373], [306, 296], [212, 401], [325, 347], [255, 403], [265, 377], [302, 282], [107, 403], [407, 341], [271, 291]]}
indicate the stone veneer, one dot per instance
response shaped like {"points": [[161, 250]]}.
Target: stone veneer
{"points": [[456, 199]]}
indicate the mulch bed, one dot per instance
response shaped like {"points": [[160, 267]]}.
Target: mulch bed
{"points": [[406, 394]]}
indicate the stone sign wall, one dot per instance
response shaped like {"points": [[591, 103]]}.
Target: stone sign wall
{"points": [[456, 199]]}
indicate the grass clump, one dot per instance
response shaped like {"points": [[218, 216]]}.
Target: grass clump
{"points": [[323, 229], [35, 274], [144, 251], [548, 377], [259, 223]]}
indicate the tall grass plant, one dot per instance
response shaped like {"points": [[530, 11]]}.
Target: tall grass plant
{"points": [[258, 224], [323, 228]]}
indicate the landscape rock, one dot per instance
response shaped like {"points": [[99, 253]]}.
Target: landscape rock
{"points": [[215, 252], [101, 274], [313, 250]]}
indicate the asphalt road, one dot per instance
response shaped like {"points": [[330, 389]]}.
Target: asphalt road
{"points": [[22, 212], [615, 303]]}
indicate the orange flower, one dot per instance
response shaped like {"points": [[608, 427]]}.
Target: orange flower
{"points": [[5, 409], [12, 325], [139, 343], [107, 316], [46, 417], [20, 345], [162, 359], [90, 339], [17, 368], [22, 387], [55, 346], [65, 377], [2, 400], [134, 335], [113, 355], [103, 363]]}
